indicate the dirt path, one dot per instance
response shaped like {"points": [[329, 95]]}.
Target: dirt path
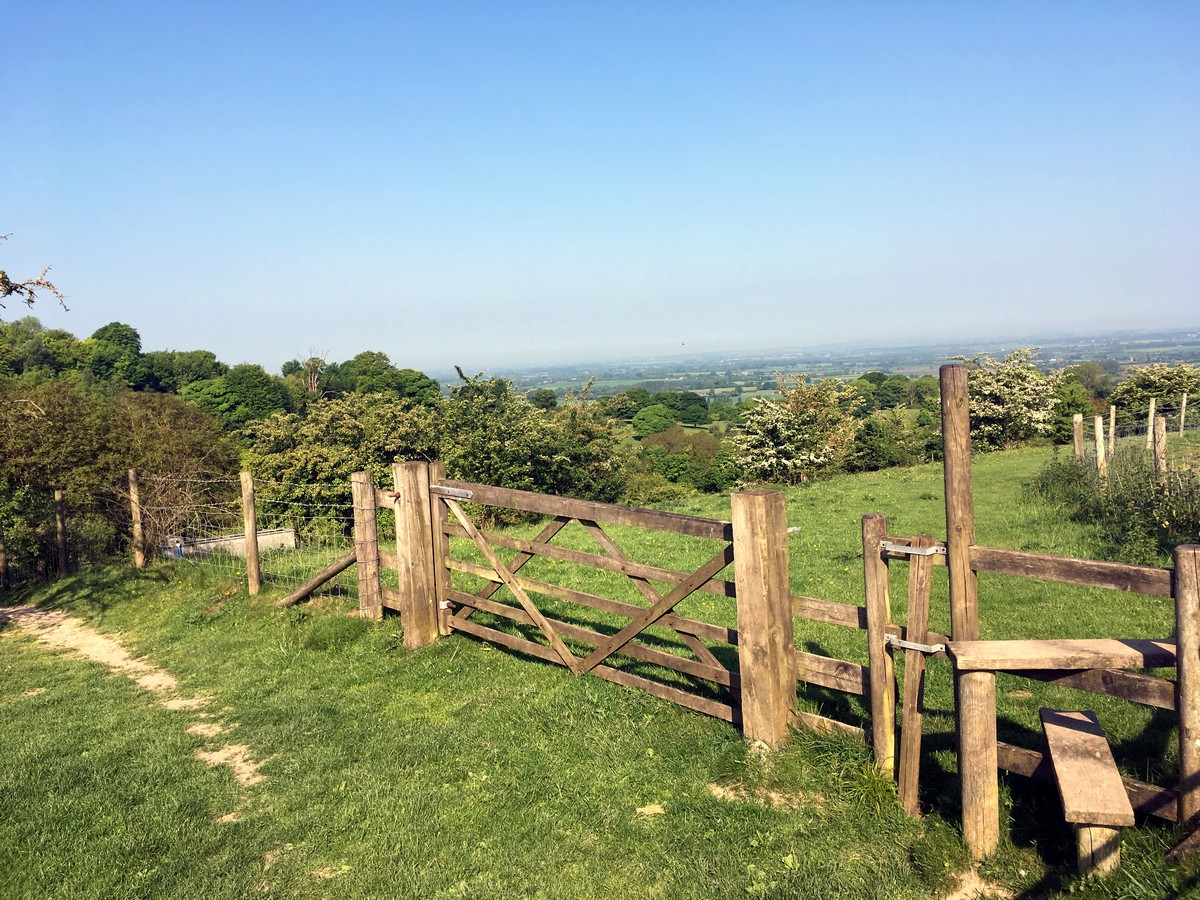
{"points": [[59, 631]]}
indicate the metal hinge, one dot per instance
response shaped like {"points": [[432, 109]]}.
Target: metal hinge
{"points": [[458, 493], [906, 550], [899, 644]]}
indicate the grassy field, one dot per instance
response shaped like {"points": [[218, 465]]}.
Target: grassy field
{"points": [[464, 771]]}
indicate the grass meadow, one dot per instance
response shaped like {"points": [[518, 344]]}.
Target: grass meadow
{"points": [[463, 770]]}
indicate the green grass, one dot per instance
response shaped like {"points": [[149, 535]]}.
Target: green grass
{"points": [[462, 770]]}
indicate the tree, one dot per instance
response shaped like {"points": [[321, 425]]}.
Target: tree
{"points": [[806, 433], [1011, 401], [26, 291], [1167, 384], [544, 398], [243, 394], [652, 419]]}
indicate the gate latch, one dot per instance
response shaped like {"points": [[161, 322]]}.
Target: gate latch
{"points": [[899, 644], [906, 550]]}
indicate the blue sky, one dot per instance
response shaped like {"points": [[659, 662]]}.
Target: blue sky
{"points": [[496, 183]]}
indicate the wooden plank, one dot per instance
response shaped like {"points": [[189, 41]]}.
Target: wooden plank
{"points": [[882, 673], [764, 614], [550, 505], [836, 674], [829, 611], [1097, 653], [717, 586], [332, 570], [920, 577], [611, 549], [366, 546], [604, 604], [388, 560], [504, 639], [1088, 572], [1187, 627], [385, 499], [1133, 686], [414, 553], [824, 725], [551, 528], [390, 598], [441, 548], [715, 673], [1147, 799], [650, 616], [568, 658], [1089, 783]]}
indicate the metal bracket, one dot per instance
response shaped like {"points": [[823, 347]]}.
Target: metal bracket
{"points": [[457, 493], [905, 550], [899, 644]]}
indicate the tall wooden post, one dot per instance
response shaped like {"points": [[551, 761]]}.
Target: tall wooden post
{"points": [[1183, 413], [975, 692], [1160, 446], [253, 572], [1150, 426], [1101, 456], [438, 518], [1112, 430], [60, 531], [1077, 434], [879, 652], [366, 546], [4, 583], [135, 508], [766, 645], [1187, 686], [414, 554]]}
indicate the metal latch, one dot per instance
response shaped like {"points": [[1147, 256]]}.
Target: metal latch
{"points": [[459, 493], [906, 550], [899, 644]]}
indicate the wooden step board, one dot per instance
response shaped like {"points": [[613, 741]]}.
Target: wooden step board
{"points": [[1102, 653], [1089, 784]]}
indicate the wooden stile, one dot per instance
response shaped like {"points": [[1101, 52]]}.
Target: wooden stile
{"points": [[1093, 653], [764, 603], [1091, 573], [1077, 434], [135, 509], [366, 546], [250, 525], [1187, 618], [414, 553], [879, 654], [920, 576]]}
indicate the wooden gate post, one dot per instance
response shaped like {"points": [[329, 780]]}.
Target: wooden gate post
{"points": [[1101, 455], [766, 647], [439, 518], [1187, 699], [135, 508], [1112, 430], [1160, 446], [1150, 426], [1183, 413], [366, 546], [60, 531], [879, 653], [249, 523], [1077, 434], [414, 554], [975, 692]]}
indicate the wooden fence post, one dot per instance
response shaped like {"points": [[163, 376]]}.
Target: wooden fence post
{"points": [[438, 518], [4, 583], [879, 653], [366, 546], [1112, 430], [414, 553], [1187, 687], [135, 508], [1160, 446], [1150, 426], [253, 571], [60, 531], [1183, 413], [975, 692], [1077, 434], [1101, 456], [766, 647]]}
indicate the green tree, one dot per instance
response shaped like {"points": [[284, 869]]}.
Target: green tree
{"points": [[653, 418], [1166, 384], [808, 432], [1011, 401], [544, 398], [243, 394]]}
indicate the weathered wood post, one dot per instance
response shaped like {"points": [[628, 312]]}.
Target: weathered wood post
{"points": [[60, 531], [366, 546], [766, 647], [4, 582], [414, 553], [1183, 413], [1150, 426], [135, 508], [881, 664], [1187, 686], [249, 523], [1160, 446], [920, 577], [439, 518], [1112, 430], [1101, 456], [975, 692], [1077, 434]]}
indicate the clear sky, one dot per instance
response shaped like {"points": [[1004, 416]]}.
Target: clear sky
{"points": [[490, 183]]}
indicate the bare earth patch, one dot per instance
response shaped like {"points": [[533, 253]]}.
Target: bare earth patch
{"points": [[774, 799], [62, 632], [972, 887]]}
